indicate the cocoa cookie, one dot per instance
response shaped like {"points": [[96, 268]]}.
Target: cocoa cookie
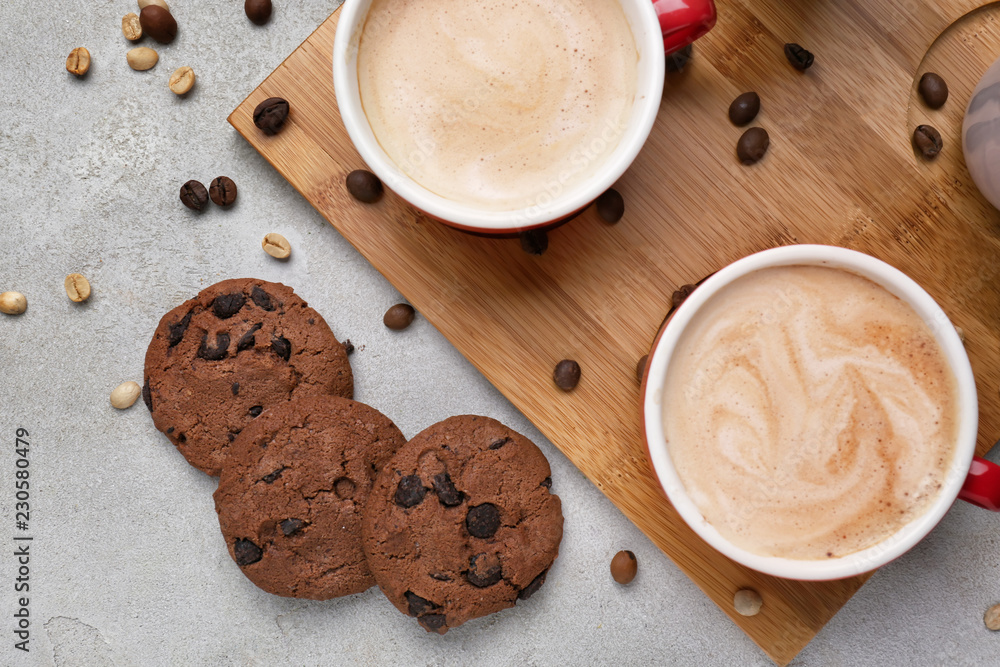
{"points": [[291, 494], [220, 359], [461, 522]]}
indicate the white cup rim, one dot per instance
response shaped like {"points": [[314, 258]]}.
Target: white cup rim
{"points": [[649, 43], [897, 283]]}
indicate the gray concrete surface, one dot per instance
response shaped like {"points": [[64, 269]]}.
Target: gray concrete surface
{"points": [[127, 563]]}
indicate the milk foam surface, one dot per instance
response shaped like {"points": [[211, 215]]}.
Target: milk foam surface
{"points": [[500, 105], [809, 412]]}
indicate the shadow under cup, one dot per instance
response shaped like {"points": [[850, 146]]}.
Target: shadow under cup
{"points": [[896, 283], [553, 203]]}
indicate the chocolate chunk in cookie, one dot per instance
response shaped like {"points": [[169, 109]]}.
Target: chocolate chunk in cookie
{"points": [[461, 522], [236, 349]]}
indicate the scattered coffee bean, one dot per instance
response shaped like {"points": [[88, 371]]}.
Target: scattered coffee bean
{"points": [[131, 27], [258, 11], [13, 303], [222, 191], [159, 3], [483, 521], [399, 316], [194, 195], [534, 241], [364, 186], [933, 89], [77, 287], [158, 23], [744, 109], [410, 491], [961, 333], [623, 567], [747, 602], [992, 617], [276, 246], [566, 374], [270, 115], [640, 367], [142, 58], [78, 61], [246, 552], [677, 60], [125, 394], [798, 57], [752, 145], [927, 141], [682, 293], [182, 80], [611, 206]]}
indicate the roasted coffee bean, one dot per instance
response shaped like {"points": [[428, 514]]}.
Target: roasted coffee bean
{"points": [[271, 477], [533, 587], [261, 298], [194, 195], [147, 397], [256, 410], [747, 602], [432, 622], [418, 605], [13, 303], [744, 109], [798, 57], [483, 521], [222, 191], [677, 60], [927, 141], [484, 570], [752, 145], [249, 339], [269, 116], [291, 526], [566, 374], [281, 347], [348, 346], [410, 491], [534, 241], [399, 316], [246, 552], [258, 11], [217, 353], [933, 89], [364, 186], [446, 491], [78, 61], [175, 331], [226, 305], [640, 367], [610, 206], [624, 567], [680, 294], [158, 23]]}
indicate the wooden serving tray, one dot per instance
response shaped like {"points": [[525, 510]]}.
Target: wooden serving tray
{"points": [[840, 171]]}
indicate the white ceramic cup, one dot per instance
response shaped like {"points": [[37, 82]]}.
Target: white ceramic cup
{"points": [[980, 485], [553, 202]]}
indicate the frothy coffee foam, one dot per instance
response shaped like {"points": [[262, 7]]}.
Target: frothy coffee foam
{"points": [[498, 104], [809, 412]]}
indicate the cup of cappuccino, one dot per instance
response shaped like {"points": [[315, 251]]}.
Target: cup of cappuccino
{"points": [[811, 413], [505, 116]]}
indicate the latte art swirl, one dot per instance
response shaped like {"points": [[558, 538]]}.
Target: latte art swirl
{"points": [[809, 412]]}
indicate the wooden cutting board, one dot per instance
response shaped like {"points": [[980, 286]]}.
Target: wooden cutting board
{"points": [[840, 171]]}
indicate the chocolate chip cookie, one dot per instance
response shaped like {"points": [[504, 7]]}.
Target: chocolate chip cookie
{"points": [[220, 359], [291, 494], [461, 522]]}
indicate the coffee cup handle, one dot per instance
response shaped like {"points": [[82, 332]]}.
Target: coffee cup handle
{"points": [[683, 21], [982, 486]]}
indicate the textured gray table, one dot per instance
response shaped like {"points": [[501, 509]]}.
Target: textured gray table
{"points": [[127, 565]]}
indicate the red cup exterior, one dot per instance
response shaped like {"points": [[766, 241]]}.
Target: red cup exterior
{"points": [[684, 21], [982, 486]]}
